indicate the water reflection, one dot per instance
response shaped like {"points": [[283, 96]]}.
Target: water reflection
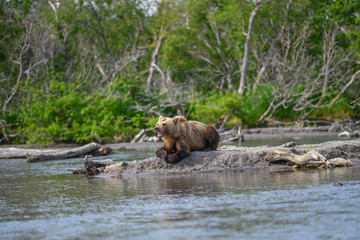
{"points": [[43, 201]]}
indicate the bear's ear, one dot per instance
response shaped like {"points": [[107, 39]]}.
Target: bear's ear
{"points": [[176, 119], [182, 119], [161, 117]]}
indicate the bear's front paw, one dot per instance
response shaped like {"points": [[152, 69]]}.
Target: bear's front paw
{"points": [[162, 154], [170, 159]]}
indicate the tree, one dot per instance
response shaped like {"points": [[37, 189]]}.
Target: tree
{"points": [[294, 59], [310, 58], [245, 60]]}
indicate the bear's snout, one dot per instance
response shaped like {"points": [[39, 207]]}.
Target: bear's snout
{"points": [[159, 131]]}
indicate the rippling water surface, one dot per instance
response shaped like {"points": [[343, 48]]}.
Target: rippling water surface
{"points": [[44, 201]]}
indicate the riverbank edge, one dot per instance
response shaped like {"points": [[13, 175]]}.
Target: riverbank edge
{"points": [[232, 160]]}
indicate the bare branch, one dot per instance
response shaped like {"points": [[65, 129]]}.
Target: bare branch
{"points": [[152, 67], [352, 80]]}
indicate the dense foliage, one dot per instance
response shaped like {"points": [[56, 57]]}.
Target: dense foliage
{"points": [[80, 71]]}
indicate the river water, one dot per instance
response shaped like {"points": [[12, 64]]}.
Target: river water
{"points": [[44, 201]]}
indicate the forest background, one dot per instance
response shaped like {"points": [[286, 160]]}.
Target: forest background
{"points": [[101, 70]]}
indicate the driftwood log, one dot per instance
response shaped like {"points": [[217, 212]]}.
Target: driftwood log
{"points": [[33, 155], [92, 167], [233, 135], [311, 158], [94, 149]]}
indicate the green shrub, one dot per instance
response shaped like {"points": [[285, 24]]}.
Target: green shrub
{"points": [[215, 106], [246, 109], [338, 111], [65, 114]]}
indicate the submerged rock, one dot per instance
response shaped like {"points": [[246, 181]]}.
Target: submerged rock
{"points": [[338, 184]]}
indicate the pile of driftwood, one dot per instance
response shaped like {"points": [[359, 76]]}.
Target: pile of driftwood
{"points": [[92, 167]]}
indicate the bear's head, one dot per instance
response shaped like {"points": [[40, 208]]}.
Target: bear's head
{"points": [[169, 126]]}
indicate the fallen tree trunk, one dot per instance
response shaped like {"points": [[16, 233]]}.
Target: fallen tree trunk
{"points": [[89, 149], [7, 153], [281, 154], [310, 159], [33, 155], [239, 159]]}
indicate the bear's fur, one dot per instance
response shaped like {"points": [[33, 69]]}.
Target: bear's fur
{"points": [[181, 137]]}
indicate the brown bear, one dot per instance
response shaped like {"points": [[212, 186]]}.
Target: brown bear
{"points": [[181, 137]]}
